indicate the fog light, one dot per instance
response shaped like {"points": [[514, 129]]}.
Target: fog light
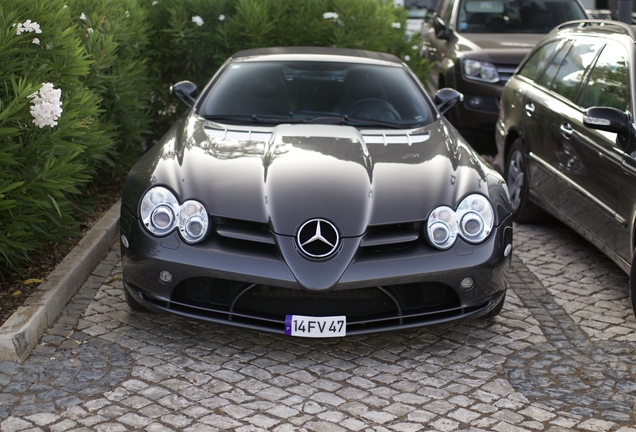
{"points": [[165, 276], [124, 242], [508, 250], [467, 283], [475, 101]]}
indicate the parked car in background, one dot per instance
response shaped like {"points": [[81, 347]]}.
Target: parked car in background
{"points": [[315, 192], [476, 45], [567, 135]]}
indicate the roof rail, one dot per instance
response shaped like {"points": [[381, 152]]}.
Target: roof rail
{"points": [[615, 26]]}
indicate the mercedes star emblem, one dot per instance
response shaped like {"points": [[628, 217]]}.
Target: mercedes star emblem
{"points": [[318, 238]]}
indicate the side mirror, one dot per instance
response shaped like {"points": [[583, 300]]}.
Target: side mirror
{"points": [[441, 30], [447, 98], [186, 91], [606, 119]]}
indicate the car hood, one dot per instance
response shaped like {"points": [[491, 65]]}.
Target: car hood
{"points": [[497, 48], [285, 175]]}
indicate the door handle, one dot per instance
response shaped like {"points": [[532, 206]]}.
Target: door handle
{"points": [[529, 109], [566, 129]]}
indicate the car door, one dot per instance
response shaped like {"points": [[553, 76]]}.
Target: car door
{"points": [[439, 40], [539, 127], [590, 160]]}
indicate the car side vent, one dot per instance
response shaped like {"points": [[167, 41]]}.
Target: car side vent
{"points": [[243, 230], [391, 235]]}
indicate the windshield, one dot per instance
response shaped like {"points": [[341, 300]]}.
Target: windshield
{"points": [[518, 16], [316, 92]]}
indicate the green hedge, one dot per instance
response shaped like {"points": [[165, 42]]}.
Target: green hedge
{"points": [[40, 167], [113, 62]]}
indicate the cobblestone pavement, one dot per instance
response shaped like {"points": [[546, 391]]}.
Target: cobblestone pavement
{"points": [[559, 357]]}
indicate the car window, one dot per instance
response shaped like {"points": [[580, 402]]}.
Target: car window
{"points": [[609, 81], [545, 79], [516, 16], [307, 90], [573, 68], [535, 64], [446, 10]]}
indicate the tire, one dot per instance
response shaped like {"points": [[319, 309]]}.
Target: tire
{"points": [[632, 283], [497, 310], [516, 174], [132, 303]]}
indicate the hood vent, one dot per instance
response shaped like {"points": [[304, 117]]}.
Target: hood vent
{"points": [[369, 137]]}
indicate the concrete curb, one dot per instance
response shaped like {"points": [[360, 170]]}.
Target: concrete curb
{"points": [[23, 330]]}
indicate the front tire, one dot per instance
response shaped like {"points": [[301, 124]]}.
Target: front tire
{"points": [[516, 173], [132, 303], [632, 283], [497, 310]]}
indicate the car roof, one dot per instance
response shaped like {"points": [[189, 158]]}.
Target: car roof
{"points": [[596, 27], [315, 53]]}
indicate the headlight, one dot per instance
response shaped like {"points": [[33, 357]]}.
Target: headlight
{"points": [[161, 214], [476, 218], [193, 221], [473, 221], [159, 210], [441, 229], [480, 71]]}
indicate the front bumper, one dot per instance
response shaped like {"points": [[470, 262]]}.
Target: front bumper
{"points": [[249, 285]]}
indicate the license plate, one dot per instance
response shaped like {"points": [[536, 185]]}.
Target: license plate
{"points": [[315, 327]]}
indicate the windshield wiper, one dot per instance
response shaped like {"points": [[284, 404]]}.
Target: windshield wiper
{"points": [[353, 121], [229, 117]]}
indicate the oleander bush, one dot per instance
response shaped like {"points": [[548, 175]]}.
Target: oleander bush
{"points": [[115, 35], [46, 155]]}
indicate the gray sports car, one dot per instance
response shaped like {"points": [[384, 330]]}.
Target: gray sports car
{"points": [[315, 192]]}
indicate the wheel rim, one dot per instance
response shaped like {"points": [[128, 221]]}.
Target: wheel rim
{"points": [[515, 179]]}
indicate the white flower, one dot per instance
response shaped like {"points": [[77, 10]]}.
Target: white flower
{"points": [[36, 41], [197, 20], [127, 14], [396, 25], [330, 15], [415, 47], [83, 16], [90, 30], [221, 17], [28, 27], [46, 105], [407, 57], [155, 3], [64, 7]]}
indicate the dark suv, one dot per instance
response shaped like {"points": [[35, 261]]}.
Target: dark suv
{"points": [[476, 45], [567, 135]]}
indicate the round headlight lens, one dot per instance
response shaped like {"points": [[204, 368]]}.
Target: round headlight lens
{"points": [[193, 221], [441, 228], [158, 210], [476, 217]]}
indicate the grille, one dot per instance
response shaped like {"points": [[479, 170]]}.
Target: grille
{"points": [[281, 301], [505, 71], [275, 302]]}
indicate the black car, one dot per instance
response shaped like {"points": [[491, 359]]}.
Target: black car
{"points": [[315, 192], [566, 135], [476, 46]]}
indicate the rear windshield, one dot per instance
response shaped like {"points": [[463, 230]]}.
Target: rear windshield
{"points": [[519, 16], [317, 92]]}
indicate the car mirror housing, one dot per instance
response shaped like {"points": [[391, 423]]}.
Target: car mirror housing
{"points": [[447, 98], [441, 31], [606, 119], [186, 91]]}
